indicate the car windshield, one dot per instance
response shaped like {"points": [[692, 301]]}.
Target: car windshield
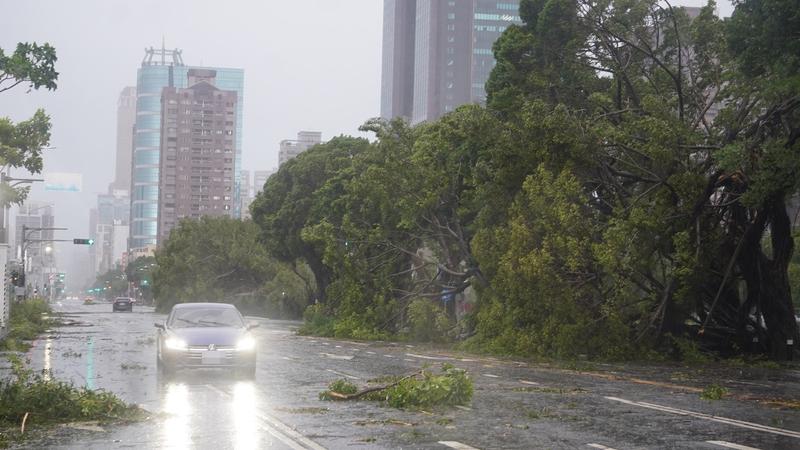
{"points": [[206, 317]]}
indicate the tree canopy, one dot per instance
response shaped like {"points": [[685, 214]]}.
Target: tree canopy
{"points": [[21, 144], [623, 192]]}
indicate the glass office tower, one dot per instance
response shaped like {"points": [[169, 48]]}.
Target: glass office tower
{"points": [[437, 54], [162, 68]]}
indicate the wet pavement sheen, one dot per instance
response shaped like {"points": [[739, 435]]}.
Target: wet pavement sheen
{"points": [[516, 404]]}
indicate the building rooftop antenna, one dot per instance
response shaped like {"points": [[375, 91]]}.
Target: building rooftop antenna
{"points": [[167, 57]]}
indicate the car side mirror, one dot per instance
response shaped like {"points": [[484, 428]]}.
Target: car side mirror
{"points": [[252, 325], [160, 326]]}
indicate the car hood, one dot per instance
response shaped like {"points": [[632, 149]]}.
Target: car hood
{"points": [[209, 335]]}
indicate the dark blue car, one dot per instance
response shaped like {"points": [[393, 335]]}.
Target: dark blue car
{"points": [[122, 304], [206, 335]]}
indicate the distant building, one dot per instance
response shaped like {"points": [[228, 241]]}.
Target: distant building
{"points": [[437, 54], [32, 245], [246, 194], [260, 178], [108, 221], [165, 68], [126, 120], [290, 149], [198, 125], [397, 81]]}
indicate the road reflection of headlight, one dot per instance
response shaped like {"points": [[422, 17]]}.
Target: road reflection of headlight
{"points": [[175, 344], [244, 416], [178, 409], [246, 344]]}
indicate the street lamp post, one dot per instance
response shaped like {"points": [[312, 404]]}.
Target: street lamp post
{"points": [[26, 241]]}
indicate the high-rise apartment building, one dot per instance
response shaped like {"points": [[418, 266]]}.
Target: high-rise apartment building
{"points": [[437, 54], [126, 119], [198, 147], [290, 149], [165, 68]]}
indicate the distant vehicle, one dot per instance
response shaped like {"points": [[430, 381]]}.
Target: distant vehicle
{"points": [[206, 335], [88, 301], [122, 304]]}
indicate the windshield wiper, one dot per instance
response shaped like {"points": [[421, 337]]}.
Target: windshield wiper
{"points": [[192, 322], [211, 322]]}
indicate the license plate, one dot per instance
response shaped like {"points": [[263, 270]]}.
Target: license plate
{"points": [[212, 358]]}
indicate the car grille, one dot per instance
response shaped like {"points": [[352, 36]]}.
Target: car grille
{"points": [[195, 353]]}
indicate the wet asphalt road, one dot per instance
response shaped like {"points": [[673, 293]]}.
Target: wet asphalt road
{"points": [[516, 404]]}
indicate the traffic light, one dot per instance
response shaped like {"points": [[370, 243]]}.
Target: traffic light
{"points": [[83, 241], [17, 278]]}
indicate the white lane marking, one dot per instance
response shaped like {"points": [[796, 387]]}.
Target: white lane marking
{"points": [[409, 346], [332, 356], [490, 375], [352, 377], [338, 346], [457, 445], [749, 383], [464, 408], [388, 356], [325, 343], [731, 445], [734, 422], [370, 353], [600, 446], [278, 429], [437, 358], [467, 360], [529, 382]]}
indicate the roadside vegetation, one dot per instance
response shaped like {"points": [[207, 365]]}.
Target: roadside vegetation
{"points": [[624, 194], [30, 403], [419, 390], [28, 320]]}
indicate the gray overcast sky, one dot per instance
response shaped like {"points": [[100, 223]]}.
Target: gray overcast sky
{"points": [[309, 64]]}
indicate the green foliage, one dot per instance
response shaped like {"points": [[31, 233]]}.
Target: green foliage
{"points": [[427, 322], [220, 260], [714, 392], [27, 321], [48, 402], [451, 387], [760, 33], [21, 146], [30, 64], [689, 352], [340, 386], [626, 183], [317, 322]]}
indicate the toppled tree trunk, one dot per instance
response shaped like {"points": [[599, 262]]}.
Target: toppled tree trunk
{"points": [[337, 396], [767, 279]]}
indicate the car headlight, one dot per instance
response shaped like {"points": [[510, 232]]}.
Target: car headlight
{"points": [[246, 344], [175, 344]]}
